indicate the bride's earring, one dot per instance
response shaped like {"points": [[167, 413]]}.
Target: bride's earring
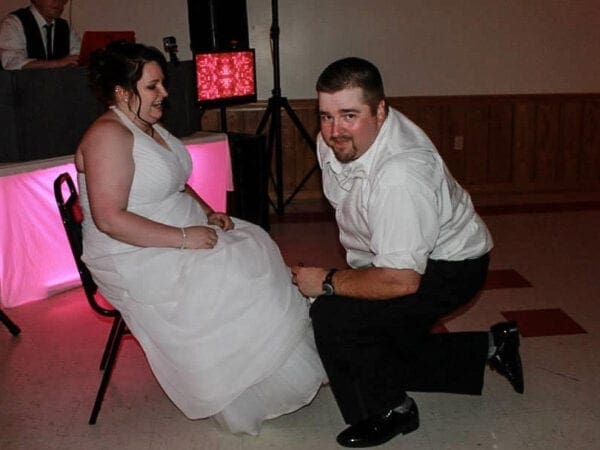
{"points": [[122, 95]]}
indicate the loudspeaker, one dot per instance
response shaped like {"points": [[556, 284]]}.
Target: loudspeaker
{"points": [[218, 25], [250, 166]]}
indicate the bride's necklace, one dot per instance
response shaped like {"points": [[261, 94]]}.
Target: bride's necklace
{"points": [[146, 127]]}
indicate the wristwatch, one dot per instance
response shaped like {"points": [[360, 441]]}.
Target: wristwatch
{"points": [[328, 288]]}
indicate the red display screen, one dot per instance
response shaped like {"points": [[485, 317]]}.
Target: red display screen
{"points": [[223, 77]]}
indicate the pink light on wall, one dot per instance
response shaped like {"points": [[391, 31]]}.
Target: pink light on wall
{"points": [[226, 76], [211, 175], [35, 257]]}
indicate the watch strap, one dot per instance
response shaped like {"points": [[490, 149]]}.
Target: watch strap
{"points": [[328, 282], [329, 276]]}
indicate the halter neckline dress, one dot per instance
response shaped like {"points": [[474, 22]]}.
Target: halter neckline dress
{"points": [[225, 331]]}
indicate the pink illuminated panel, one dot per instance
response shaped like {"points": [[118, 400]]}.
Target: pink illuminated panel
{"points": [[35, 258], [225, 76]]}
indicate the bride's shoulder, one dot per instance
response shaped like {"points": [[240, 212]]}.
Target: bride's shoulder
{"points": [[108, 126], [106, 135]]}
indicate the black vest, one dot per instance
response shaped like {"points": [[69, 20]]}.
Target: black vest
{"points": [[35, 43]]}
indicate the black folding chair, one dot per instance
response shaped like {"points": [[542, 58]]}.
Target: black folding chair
{"points": [[72, 216], [12, 327]]}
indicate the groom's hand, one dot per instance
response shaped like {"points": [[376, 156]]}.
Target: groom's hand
{"points": [[309, 279]]}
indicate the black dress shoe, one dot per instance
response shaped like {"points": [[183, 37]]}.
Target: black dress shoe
{"points": [[379, 429], [507, 361]]}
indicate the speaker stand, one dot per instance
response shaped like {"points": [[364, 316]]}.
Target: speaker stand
{"points": [[223, 119], [273, 111]]}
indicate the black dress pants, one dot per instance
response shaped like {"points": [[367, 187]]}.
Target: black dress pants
{"points": [[375, 351]]}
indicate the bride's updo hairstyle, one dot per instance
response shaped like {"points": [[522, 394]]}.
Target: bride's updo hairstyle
{"points": [[121, 64]]}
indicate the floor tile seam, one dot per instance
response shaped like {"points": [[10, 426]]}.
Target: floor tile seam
{"points": [[491, 415]]}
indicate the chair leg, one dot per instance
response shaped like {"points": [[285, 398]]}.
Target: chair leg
{"points": [[110, 361], [109, 343], [12, 327]]}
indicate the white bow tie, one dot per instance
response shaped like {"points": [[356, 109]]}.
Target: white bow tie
{"points": [[348, 175]]}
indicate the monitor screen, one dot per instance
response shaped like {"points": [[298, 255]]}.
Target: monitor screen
{"points": [[226, 77]]}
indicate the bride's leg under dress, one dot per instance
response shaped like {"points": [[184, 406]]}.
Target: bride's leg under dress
{"points": [[290, 388]]}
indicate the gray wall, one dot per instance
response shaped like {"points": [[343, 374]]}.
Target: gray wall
{"points": [[423, 47]]}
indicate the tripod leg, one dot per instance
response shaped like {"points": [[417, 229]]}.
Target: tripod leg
{"points": [[308, 139], [265, 118], [276, 134], [301, 184], [292, 114], [277, 182], [273, 112]]}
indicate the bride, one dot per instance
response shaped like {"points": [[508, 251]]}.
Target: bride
{"points": [[207, 296]]}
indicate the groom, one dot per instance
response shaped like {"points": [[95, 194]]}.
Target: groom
{"points": [[418, 251]]}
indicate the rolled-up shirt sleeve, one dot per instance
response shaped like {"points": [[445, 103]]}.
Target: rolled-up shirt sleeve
{"points": [[13, 46], [75, 42]]}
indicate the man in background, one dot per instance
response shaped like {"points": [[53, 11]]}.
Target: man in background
{"points": [[36, 37]]}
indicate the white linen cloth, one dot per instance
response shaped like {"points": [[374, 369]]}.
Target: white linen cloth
{"points": [[224, 330], [398, 205]]}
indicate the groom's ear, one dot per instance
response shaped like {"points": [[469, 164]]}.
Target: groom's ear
{"points": [[381, 113]]}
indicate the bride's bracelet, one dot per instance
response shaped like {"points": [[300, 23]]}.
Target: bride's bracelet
{"points": [[183, 238]]}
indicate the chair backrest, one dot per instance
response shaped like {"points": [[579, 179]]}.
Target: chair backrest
{"points": [[72, 216]]}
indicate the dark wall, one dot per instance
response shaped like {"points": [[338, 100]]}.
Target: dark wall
{"points": [[182, 114], [53, 110], [44, 113], [8, 117]]}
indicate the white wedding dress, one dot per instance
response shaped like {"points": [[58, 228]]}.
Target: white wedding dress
{"points": [[225, 331]]}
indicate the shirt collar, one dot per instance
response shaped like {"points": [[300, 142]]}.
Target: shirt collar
{"points": [[347, 173], [38, 17]]}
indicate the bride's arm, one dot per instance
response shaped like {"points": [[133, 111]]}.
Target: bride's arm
{"points": [[107, 155], [214, 218]]}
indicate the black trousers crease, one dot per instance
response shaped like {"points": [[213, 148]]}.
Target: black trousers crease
{"points": [[375, 351]]}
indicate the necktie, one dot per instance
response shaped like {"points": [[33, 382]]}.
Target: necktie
{"points": [[48, 28]]}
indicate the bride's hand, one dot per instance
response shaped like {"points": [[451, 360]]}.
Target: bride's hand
{"points": [[221, 220], [200, 237]]}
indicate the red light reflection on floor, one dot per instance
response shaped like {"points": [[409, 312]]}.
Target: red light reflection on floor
{"points": [[544, 322]]}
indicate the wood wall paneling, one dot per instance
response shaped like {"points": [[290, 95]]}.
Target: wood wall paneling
{"points": [[547, 142], [570, 141], [491, 144], [590, 154], [500, 147], [476, 144], [523, 142], [453, 151]]}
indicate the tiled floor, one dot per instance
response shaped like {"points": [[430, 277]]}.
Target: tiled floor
{"points": [[545, 275]]}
